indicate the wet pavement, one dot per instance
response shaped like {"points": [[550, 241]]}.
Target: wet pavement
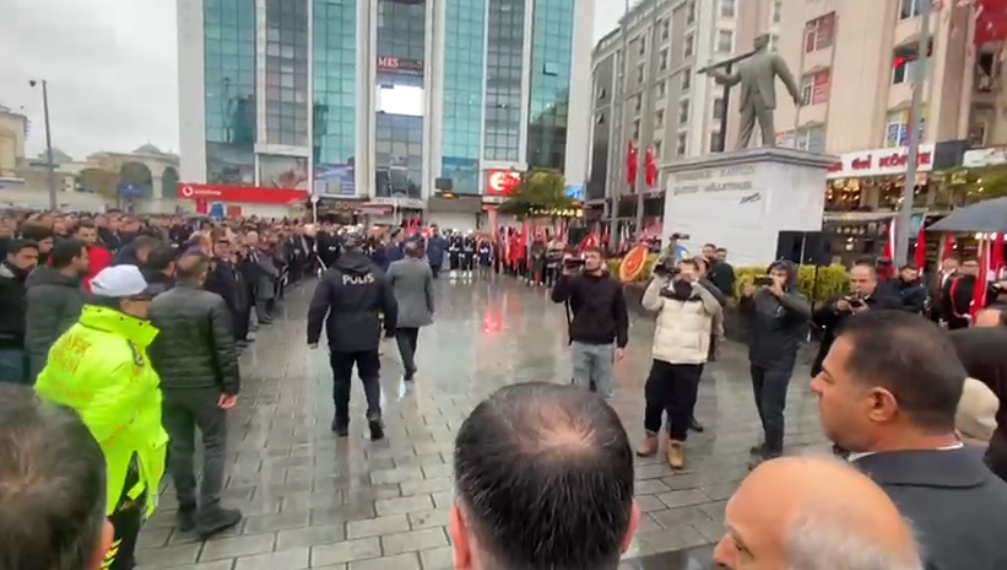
{"points": [[314, 501]]}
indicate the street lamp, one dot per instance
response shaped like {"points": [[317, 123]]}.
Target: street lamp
{"points": [[48, 141]]}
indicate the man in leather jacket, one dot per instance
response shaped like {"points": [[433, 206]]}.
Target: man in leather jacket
{"points": [[195, 356]]}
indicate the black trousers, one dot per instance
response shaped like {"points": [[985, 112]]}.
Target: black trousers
{"points": [[369, 368], [127, 521], [407, 338], [435, 269], [671, 387], [182, 412], [769, 386]]}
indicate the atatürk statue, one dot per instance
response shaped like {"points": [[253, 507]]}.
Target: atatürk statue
{"points": [[757, 75]]}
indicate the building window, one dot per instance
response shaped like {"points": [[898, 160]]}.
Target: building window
{"points": [[715, 145], [640, 73], [641, 45], [718, 109], [664, 60], [661, 89], [897, 128], [810, 139], [690, 12], [727, 8], [636, 129], [904, 62], [637, 103], [683, 144], [725, 41], [602, 93], [658, 147], [659, 119], [687, 46], [910, 8], [683, 112], [666, 29], [818, 33], [686, 80], [815, 88], [777, 11]]}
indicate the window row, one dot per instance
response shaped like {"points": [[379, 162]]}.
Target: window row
{"points": [[399, 135], [230, 49], [815, 87], [287, 137], [819, 33]]}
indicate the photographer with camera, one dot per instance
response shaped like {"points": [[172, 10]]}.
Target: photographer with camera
{"points": [[686, 311], [599, 320], [865, 295], [777, 314]]}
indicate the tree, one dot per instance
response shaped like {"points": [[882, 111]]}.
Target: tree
{"points": [[97, 181], [541, 192]]}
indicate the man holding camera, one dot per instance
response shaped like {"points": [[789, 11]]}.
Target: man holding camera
{"points": [[599, 321], [778, 316]]}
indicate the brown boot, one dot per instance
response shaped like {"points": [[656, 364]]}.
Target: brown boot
{"points": [[676, 455], [649, 445]]}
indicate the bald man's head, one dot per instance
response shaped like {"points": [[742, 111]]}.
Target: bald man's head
{"points": [[814, 513], [544, 475]]}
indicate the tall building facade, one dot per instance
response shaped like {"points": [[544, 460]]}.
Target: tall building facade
{"points": [[384, 100], [648, 93]]}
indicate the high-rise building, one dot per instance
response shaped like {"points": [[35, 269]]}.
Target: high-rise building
{"points": [[386, 101], [649, 94]]}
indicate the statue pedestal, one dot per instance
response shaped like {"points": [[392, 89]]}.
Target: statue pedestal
{"points": [[742, 200]]}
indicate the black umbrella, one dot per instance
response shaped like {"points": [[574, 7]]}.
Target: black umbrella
{"points": [[989, 216]]}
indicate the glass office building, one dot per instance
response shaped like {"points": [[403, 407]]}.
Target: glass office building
{"points": [[387, 100]]}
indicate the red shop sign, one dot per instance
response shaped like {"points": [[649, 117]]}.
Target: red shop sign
{"points": [[880, 162], [502, 182], [246, 194]]}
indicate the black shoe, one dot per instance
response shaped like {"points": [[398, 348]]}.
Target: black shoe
{"points": [[696, 426], [186, 518], [215, 520], [762, 458], [341, 429], [377, 429]]}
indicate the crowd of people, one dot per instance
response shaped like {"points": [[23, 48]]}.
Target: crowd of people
{"points": [[119, 340]]}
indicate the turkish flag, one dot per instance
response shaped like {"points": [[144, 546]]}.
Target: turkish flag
{"points": [[632, 164], [921, 246], [991, 21], [650, 169]]}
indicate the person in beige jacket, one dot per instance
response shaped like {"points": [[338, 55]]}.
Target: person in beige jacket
{"points": [[686, 312]]}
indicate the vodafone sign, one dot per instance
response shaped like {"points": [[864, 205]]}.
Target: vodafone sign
{"points": [[881, 162], [245, 194], [502, 182]]}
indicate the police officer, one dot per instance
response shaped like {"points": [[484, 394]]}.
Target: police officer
{"points": [[350, 298]]}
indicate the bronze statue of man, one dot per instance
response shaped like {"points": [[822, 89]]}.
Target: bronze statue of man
{"points": [[757, 75]]}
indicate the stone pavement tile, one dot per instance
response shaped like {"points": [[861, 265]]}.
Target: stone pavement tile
{"points": [[342, 513], [669, 540], [220, 548], [347, 551], [649, 487], [428, 519], [398, 562], [441, 558], [444, 499], [711, 530], [714, 510], [153, 538], [168, 556], [292, 559], [218, 565], [671, 518], [403, 505], [310, 536], [427, 486], [720, 491], [414, 540], [683, 498], [397, 475], [258, 524], [377, 526]]}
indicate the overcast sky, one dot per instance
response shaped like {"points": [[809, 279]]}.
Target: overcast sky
{"points": [[111, 67]]}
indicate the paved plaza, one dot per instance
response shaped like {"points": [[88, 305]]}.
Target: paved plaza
{"points": [[314, 501]]}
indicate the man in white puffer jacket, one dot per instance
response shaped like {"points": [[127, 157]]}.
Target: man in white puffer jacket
{"points": [[685, 320]]}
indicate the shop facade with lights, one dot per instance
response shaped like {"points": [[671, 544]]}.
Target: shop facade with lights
{"points": [[221, 201]]}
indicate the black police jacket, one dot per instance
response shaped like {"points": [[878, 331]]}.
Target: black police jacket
{"points": [[349, 299]]}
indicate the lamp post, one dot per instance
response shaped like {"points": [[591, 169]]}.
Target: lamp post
{"points": [[48, 141], [901, 245]]}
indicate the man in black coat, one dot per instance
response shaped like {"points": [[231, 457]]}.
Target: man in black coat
{"points": [[54, 300], [348, 301], [778, 317], [889, 392], [225, 280], [956, 295], [195, 357], [910, 290], [22, 257]]}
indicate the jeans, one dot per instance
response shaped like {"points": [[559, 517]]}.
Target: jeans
{"points": [[770, 389], [593, 364], [406, 339], [183, 411], [369, 369], [671, 387], [13, 366]]}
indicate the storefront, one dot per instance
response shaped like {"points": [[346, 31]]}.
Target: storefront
{"points": [[872, 180], [237, 201]]}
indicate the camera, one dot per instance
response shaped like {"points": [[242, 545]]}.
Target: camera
{"points": [[855, 301], [573, 263], [763, 281], [665, 269]]}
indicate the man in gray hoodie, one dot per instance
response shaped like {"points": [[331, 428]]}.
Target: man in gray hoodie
{"points": [[778, 316]]}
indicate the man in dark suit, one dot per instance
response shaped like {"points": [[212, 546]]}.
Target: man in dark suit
{"points": [[888, 392]]}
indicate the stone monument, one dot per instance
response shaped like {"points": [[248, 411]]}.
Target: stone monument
{"points": [[757, 73]]}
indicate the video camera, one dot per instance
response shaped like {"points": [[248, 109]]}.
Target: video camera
{"points": [[573, 263]]}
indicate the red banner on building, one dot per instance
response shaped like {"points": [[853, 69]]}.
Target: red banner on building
{"points": [[991, 21], [246, 194]]}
